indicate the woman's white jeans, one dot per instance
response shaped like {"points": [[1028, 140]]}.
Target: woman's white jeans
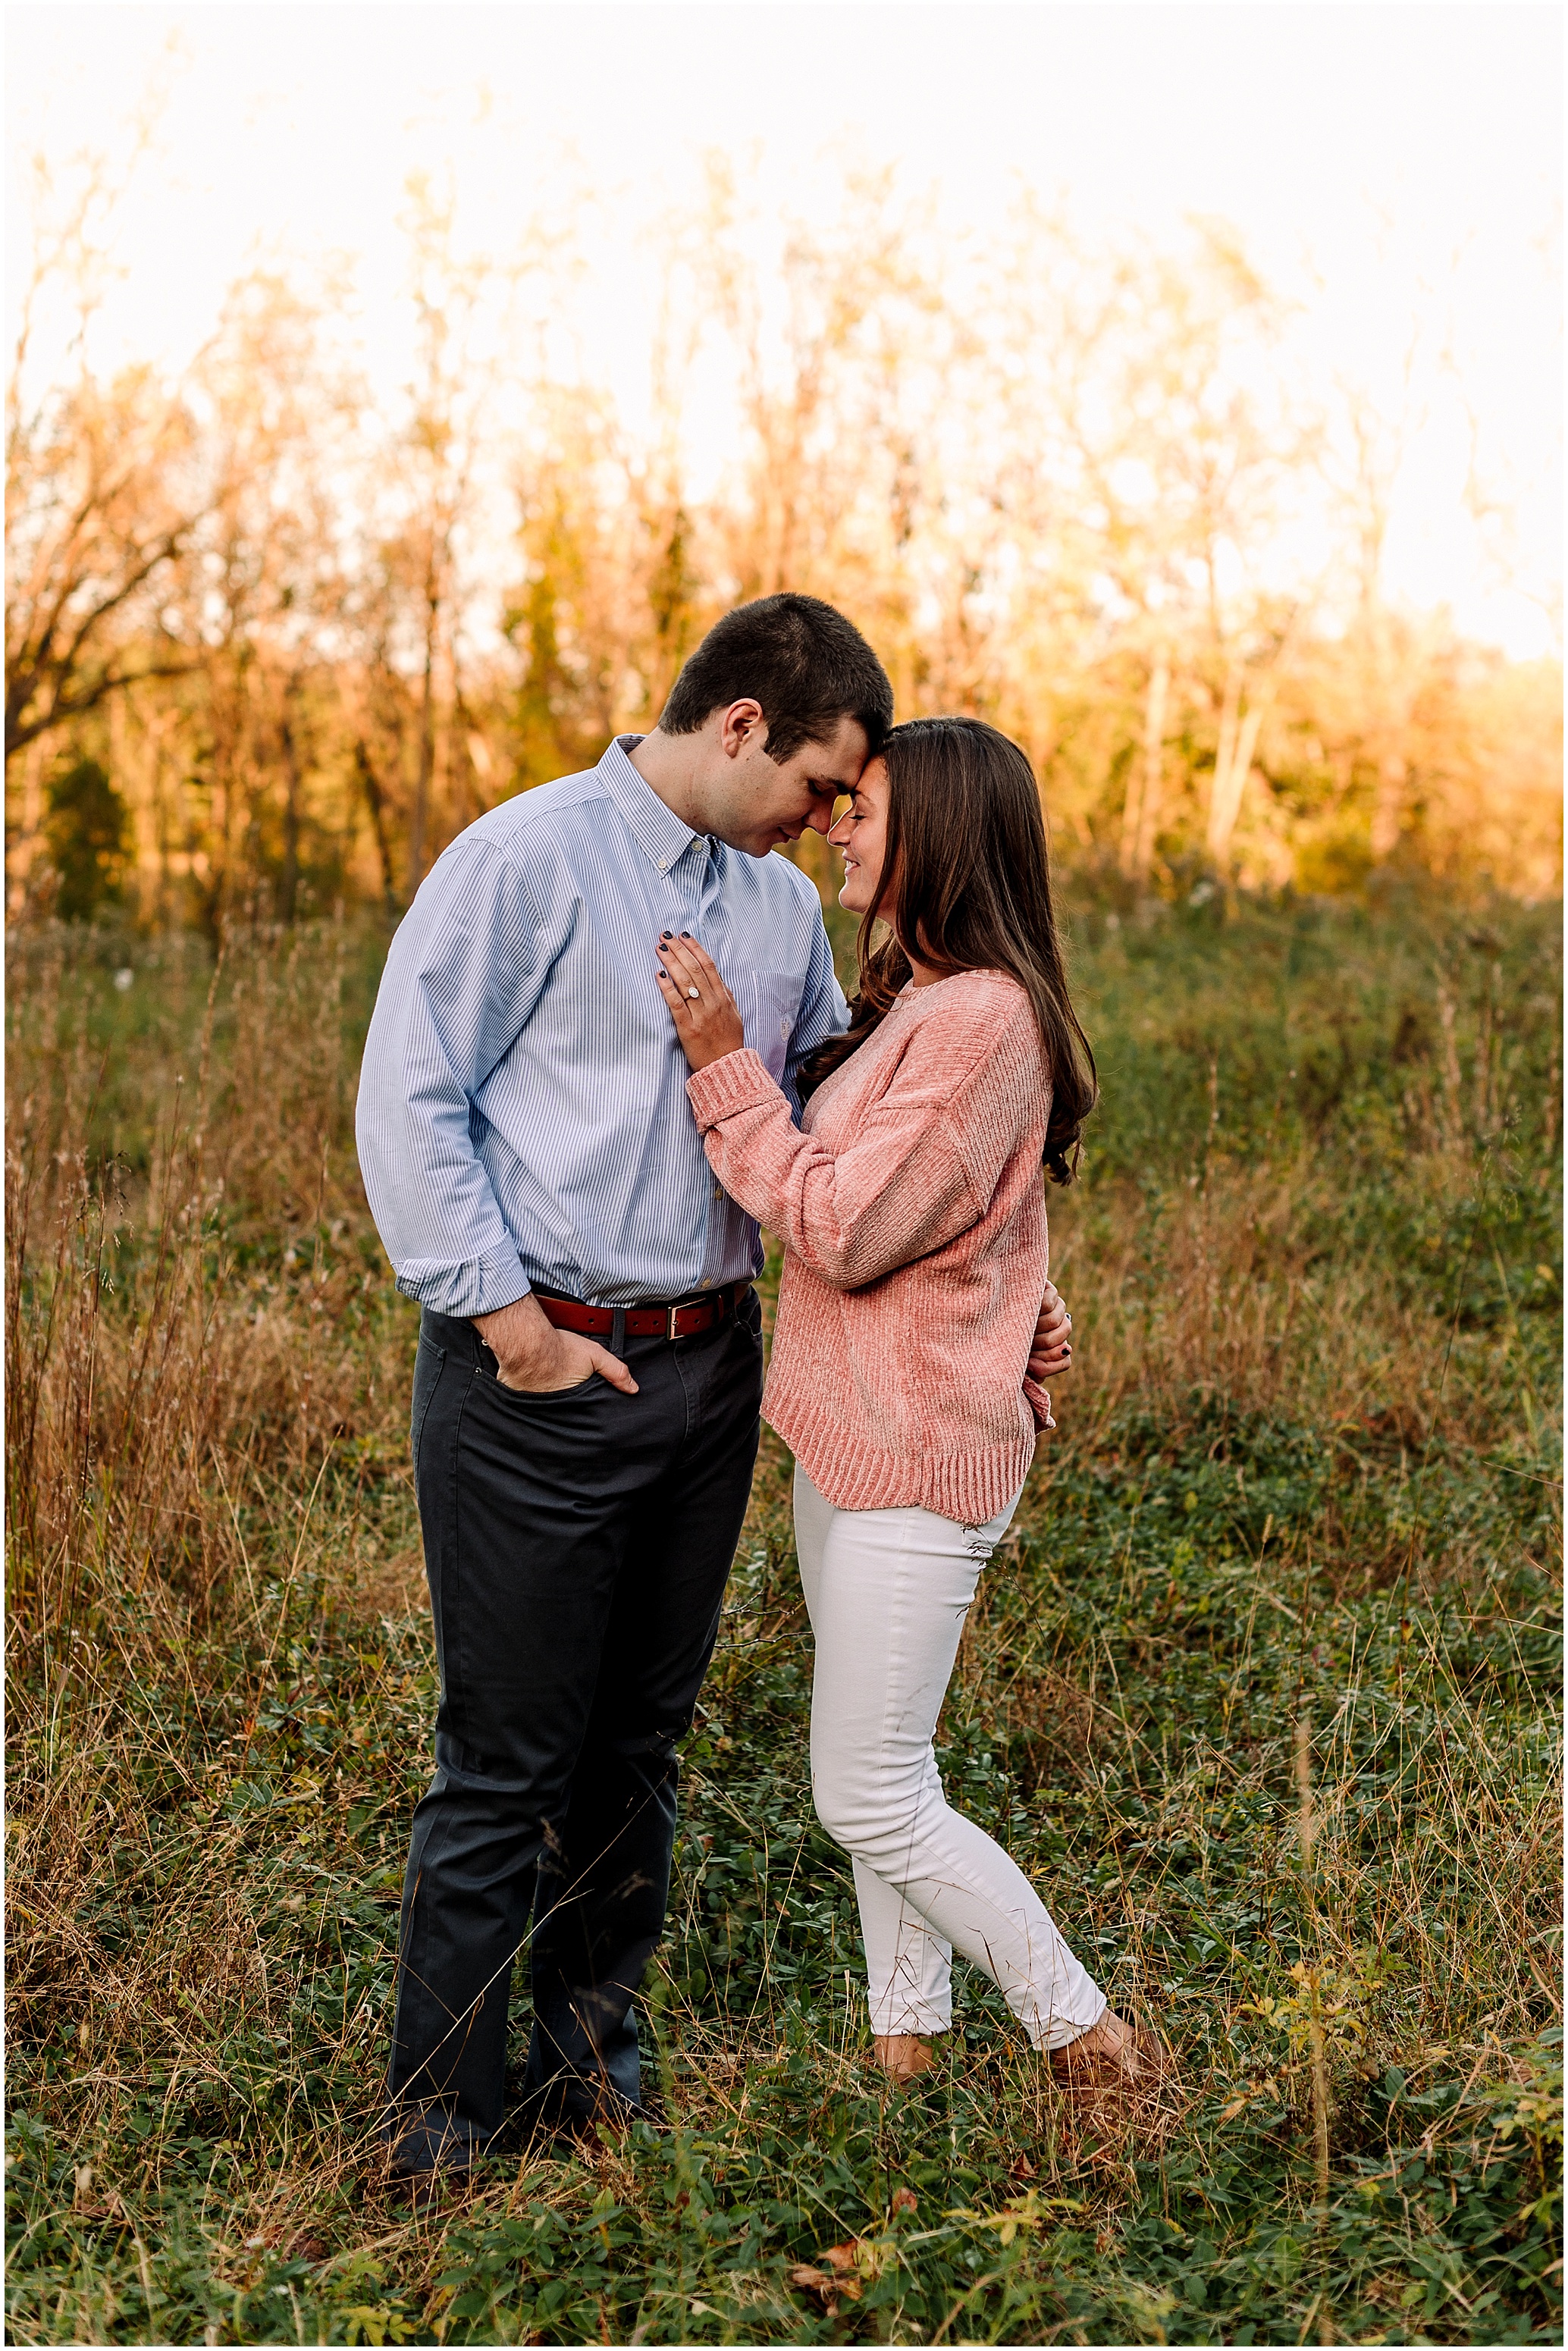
{"points": [[888, 1592]]}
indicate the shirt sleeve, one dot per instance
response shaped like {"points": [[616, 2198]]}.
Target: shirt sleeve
{"points": [[823, 1014], [464, 974], [903, 1186]]}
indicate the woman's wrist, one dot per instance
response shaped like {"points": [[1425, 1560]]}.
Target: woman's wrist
{"points": [[709, 1060], [736, 1081]]}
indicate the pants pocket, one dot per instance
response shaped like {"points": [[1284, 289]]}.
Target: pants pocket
{"points": [[530, 1399], [429, 1364]]}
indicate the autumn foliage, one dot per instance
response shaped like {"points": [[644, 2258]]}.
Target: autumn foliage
{"points": [[1079, 490]]}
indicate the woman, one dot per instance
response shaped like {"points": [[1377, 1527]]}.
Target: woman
{"points": [[913, 1217]]}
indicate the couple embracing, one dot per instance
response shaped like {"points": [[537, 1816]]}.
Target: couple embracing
{"points": [[609, 1044]]}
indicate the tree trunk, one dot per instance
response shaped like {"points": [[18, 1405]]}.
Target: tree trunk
{"points": [[1388, 807], [416, 831], [23, 847], [1141, 813], [290, 748], [1225, 749], [1233, 765], [375, 801], [162, 820]]}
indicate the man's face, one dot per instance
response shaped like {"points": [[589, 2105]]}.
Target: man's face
{"points": [[764, 802]]}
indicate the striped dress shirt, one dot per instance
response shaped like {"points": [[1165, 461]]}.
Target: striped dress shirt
{"points": [[522, 1117]]}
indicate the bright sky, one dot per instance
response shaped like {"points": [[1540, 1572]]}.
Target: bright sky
{"points": [[1385, 164]]}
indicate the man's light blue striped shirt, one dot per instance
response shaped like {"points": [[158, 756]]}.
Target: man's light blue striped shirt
{"points": [[522, 1118]]}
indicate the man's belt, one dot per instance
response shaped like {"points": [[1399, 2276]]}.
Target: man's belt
{"points": [[681, 1318]]}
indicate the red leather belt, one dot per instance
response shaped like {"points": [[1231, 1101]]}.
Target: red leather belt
{"points": [[681, 1318]]}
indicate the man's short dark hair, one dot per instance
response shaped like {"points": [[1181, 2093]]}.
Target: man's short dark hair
{"points": [[803, 662]]}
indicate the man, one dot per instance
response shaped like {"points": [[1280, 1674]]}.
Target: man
{"points": [[590, 1364]]}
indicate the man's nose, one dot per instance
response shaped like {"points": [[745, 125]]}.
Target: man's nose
{"points": [[820, 819]]}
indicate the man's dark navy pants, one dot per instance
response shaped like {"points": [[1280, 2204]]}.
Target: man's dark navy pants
{"points": [[577, 1545]]}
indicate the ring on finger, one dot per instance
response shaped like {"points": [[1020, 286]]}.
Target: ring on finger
{"points": [[694, 993]]}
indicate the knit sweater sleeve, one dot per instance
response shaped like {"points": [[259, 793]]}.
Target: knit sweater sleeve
{"points": [[919, 1170]]}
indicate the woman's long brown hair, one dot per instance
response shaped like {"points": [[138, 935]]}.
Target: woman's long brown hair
{"points": [[967, 881]]}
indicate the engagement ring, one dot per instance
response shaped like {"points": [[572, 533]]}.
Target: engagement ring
{"points": [[695, 995]]}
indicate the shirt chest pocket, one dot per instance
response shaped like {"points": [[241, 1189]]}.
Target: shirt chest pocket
{"points": [[768, 1002]]}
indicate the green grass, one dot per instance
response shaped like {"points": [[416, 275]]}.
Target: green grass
{"points": [[1298, 1529]]}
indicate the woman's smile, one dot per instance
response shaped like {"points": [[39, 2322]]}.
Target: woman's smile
{"points": [[861, 835]]}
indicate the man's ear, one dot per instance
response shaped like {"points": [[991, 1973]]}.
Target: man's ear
{"points": [[742, 727]]}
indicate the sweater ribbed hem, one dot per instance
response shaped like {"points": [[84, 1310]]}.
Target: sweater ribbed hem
{"points": [[854, 1475], [738, 1080]]}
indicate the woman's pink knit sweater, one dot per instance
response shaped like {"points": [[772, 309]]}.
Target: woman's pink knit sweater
{"points": [[912, 1210]]}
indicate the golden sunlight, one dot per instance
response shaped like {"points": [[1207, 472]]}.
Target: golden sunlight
{"points": [[1114, 366]]}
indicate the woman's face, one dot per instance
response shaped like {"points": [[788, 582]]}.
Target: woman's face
{"points": [[861, 833]]}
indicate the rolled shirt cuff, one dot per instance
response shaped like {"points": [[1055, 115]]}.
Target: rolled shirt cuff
{"points": [[476, 1286]]}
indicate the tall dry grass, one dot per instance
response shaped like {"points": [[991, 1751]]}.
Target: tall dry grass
{"points": [[1304, 1331], [197, 1327], [184, 1342]]}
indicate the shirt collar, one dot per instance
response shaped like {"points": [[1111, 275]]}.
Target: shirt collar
{"points": [[656, 830]]}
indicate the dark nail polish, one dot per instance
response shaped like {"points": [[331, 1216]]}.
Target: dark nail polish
{"points": [[664, 935], [686, 935], [662, 972]]}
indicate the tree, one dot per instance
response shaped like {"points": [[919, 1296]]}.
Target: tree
{"points": [[104, 490], [88, 830], [438, 461], [1059, 485], [105, 493]]}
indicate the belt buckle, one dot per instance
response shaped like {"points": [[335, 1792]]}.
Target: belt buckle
{"points": [[716, 1299]]}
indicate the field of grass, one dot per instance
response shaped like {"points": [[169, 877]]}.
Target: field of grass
{"points": [[1264, 1688]]}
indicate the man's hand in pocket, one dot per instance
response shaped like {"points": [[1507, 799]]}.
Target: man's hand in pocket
{"points": [[534, 1357]]}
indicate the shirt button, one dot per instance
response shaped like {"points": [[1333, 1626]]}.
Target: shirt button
{"points": [[718, 1191], [664, 864]]}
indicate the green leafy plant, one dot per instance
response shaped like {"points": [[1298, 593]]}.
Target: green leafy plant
{"points": [[1297, 1527]]}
